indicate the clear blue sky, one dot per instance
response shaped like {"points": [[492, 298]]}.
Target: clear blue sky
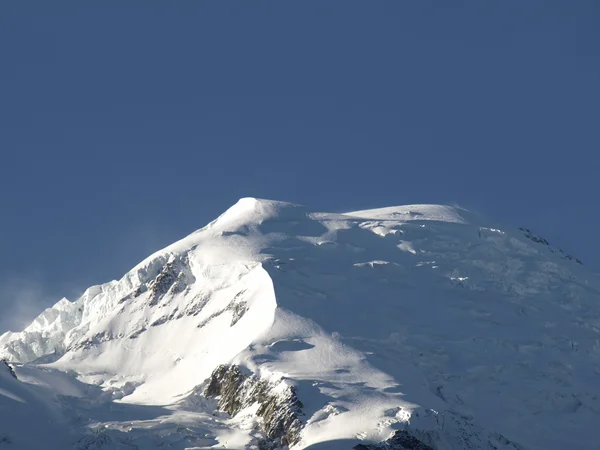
{"points": [[127, 125]]}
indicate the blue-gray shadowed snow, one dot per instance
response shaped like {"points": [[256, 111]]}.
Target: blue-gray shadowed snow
{"points": [[418, 326]]}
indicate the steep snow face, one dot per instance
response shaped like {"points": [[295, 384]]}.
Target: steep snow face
{"points": [[421, 318]]}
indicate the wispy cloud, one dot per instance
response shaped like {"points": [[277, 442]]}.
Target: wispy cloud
{"points": [[21, 300]]}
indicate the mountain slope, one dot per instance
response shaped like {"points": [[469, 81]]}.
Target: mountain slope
{"points": [[420, 319]]}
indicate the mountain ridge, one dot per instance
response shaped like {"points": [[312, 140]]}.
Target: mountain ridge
{"points": [[422, 318]]}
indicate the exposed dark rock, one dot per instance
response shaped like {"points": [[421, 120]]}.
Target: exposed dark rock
{"points": [[238, 307], [165, 318], [9, 367], [533, 237], [540, 240], [139, 291], [401, 440], [129, 296], [196, 306], [570, 258], [137, 332], [225, 382], [238, 310], [163, 282], [279, 413], [98, 439], [239, 295], [209, 318], [94, 341], [174, 277]]}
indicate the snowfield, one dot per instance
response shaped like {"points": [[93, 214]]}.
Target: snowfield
{"points": [[424, 326]]}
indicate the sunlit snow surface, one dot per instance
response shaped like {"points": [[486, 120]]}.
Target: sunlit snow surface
{"points": [[423, 317]]}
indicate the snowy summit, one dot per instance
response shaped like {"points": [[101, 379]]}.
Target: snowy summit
{"points": [[276, 326]]}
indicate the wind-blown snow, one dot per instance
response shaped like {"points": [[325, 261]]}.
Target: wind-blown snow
{"points": [[422, 317]]}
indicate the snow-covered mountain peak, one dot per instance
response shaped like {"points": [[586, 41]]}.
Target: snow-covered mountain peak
{"points": [[253, 211], [421, 322]]}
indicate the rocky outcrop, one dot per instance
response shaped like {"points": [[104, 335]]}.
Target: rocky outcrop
{"points": [[401, 440], [96, 440], [427, 429], [278, 406], [174, 277], [7, 366], [540, 240]]}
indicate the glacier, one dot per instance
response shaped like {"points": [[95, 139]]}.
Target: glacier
{"points": [[419, 326]]}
